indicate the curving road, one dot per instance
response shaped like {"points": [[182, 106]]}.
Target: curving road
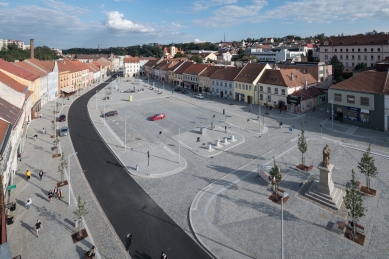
{"points": [[128, 207]]}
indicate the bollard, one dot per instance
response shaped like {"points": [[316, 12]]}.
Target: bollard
{"points": [[211, 125], [232, 138], [137, 167], [210, 147], [225, 140], [217, 143]]}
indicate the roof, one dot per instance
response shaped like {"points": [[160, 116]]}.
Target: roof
{"points": [[151, 62], [160, 65], [92, 67], [17, 71], [226, 73], [367, 82], [9, 112], [92, 56], [204, 55], [169, 64], [286, 77], [210, 70], [80, 65], [308, 93], [4, 126], [377, 39], [250, 72], [48, 66], [195, 69], [31, 68], [131, 60], [10, 82], [184, 66], [175, 66]]}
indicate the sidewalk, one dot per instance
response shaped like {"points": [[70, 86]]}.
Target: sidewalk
{"points": [[57, 217]]}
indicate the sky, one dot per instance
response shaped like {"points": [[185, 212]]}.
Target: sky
{"points": [[114, 23]]}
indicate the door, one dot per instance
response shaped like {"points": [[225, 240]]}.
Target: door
{"points": [[221, 93], [249, 99]]}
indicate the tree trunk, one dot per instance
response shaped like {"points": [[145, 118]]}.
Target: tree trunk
{"points": [[368, 183], [302, 159]]}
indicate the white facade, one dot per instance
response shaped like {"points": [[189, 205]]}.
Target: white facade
{"points": [[131, 69], [277, 55], [52, 83], [386, 98], [223, 88], [44, 89], [350, 56], [3, 43]]}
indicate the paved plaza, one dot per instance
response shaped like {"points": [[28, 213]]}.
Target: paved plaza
{"points": [[229, 210]]}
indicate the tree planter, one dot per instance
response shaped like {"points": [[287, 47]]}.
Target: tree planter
{"points": [[304, 167], [10, 219], [79, 236], [360, 240], [60, 184], [55, 155], [371, 191]]}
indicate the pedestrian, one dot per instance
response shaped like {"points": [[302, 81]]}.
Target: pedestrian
{"points": [[59, 193], [43, 131], [35, 136], [163, 255], [91, 253], [28, 175], [40, 174], [38, 227], [281, 125], [128, 242], [55, 192], [20, 157], [225, 129], [28, 203], [50, 194]]}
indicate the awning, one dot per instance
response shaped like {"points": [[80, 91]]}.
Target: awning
{"points": [[67, 89]]}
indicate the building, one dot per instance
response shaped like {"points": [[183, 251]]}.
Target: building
{"points": [[205, 57], [3, 44], [164, 70], [179, 73], [352, 50], [191, 76], [245, 81], [276, 85], [278, 56], [362, 100], [149, 67], [171, 71], [131, 67], [205, 78], [51, 68], [222, 81], [321, 71]]}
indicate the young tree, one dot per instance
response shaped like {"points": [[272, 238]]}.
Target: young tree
{"points": [[302, 144], [79, 213], [62, 166], [55, 143], [353, 201], [197, 59], [275, 177], [337, 68], [367, 166]]}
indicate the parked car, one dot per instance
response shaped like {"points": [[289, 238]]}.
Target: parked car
{"points": [[184, 91], [62, 117], [200, 96], [158, 116], [110, 113], [64, 131], [177, 89]]}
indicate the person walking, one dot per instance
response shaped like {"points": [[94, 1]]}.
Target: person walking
{"points": [[128, 242], [55, 192], [40, 174], [163, 255], [281, 125], [28, 203], [43, 131], [59, 193], [38, 227], [28, 174], [50, 194], [225, 129]]}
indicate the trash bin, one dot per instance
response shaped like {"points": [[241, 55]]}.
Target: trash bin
{"points": [[10, 219], [13, 206], [76, 223], [137, 167]]}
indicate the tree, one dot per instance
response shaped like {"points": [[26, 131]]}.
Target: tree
{"points": [[79, 213], [360, 65], [367, 167], [178, 55], [353, 201], [55, 143], [302, 144], [275, 177], [241, 53], [62, 166], [209, 60], [197, 59], [337, 67]]}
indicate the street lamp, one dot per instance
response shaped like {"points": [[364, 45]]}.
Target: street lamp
{"points": [[96, 98], [74, 154], [125, 131], [104, 112], [332, 113], [284, 195]]}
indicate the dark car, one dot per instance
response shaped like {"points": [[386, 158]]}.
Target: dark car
{"points": [[158, 116], [62, 117], [184, 91], [177, 89], [110, 113]]}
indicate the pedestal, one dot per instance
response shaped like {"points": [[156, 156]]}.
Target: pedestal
{"points": [[324, 191]]}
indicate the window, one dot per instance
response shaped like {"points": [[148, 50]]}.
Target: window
{"points": [[217, 83], [325, 50], [341, 56], [352, 115], [359, 57], [269, 98], [352, 57], [225, 84], [341, 50], [350, 99], [378, 57], [250, 87], [255, 88], [365, 101], [359, 50], [338, 97], [346, 50], [346, 64], [336, 50], [261, 97], [213, 82], [372, 57], [352, 64], [283, 91], [276, 90], [261, 88], [378, 49], [230, 85], [346, 57], [325, 56], [371, 49], [236, 86], [365, 57], [217, 90], [247, 87], [269, 90], [352, 50], [365, 49]]}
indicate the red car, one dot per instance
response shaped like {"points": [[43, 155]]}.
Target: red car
{"points": [[62, 118], [158, 116]]}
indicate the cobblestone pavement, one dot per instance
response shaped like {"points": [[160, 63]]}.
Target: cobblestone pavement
{"points": [[57, 218]]}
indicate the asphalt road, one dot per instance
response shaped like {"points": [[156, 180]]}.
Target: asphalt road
{"points": [[128, 207]]}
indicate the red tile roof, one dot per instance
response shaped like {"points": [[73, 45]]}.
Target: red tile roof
{"points": [[308, 93], [195, 69], [10, 82], [250, 72], [31, 68], [3, 131], [210, 71], [92, 67], [131, 60], [169, 64], [172, 68], [378, 39], [184, 66], [286, 77], [226, 73], [151, 62], [17, 71], [367, 82], [48, 66], [9, 112]]}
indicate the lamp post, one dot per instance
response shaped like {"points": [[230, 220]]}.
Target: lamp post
{"points": [[284, 195], [96, 98], [179, 144], [104, 112], [163, 85], [332, 113], [125, 131], [74, 154]]}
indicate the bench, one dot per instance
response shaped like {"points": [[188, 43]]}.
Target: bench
{"points": [[359, 227], [341, 226]]}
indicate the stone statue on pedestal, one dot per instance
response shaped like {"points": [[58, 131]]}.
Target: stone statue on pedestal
{"points": [[326, 156]]}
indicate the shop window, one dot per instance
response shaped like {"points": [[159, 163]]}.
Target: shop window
{"points": [[365, 117], [352, 115]]}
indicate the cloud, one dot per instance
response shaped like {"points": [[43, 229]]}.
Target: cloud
{"points": [[61, 6], [198, 41], [202, 5], [115, 21], [177, 25], [4, 4]]}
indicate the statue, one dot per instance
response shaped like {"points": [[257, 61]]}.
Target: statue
{"points": [[326, 155]]}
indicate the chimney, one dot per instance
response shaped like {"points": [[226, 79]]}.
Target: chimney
{"points": [[291, 76], [31, 48]]}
